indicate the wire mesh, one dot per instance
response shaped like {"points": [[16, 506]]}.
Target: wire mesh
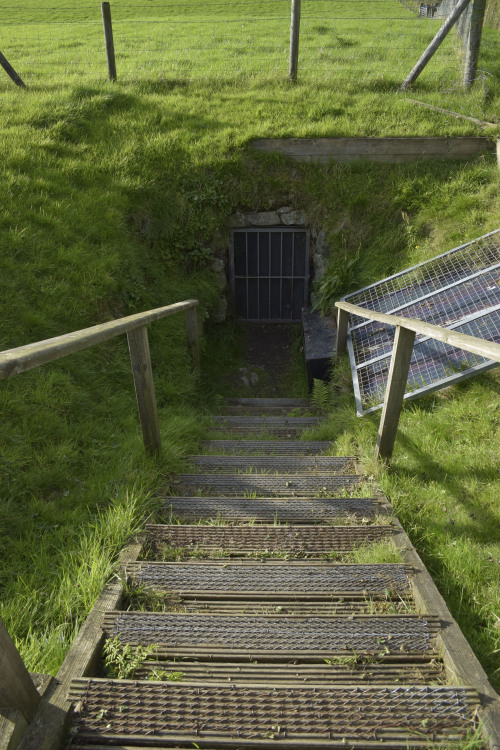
{"points": [[361, 40], [459, 290]]}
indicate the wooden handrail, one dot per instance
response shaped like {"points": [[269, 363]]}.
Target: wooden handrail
{"points": [[461, 340], [406, 328], [23, 358]]}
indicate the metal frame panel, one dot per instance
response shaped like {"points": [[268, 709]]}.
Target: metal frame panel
{"points": [[280, 230], [480, 301]]}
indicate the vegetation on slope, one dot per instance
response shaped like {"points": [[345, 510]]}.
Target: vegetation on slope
{"points": [[113, 199]]}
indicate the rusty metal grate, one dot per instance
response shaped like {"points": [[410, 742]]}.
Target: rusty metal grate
{"points": [[267, 447], [274, 464], [304, 605], [118, 712], [270, 272], [267, 509], [242, 540], [266, 422], [318, 673], [279, 579], [359, 633], [278, 485]]}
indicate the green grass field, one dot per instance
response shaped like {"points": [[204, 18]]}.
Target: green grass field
{"points": [[360, 48], [114, 195]]}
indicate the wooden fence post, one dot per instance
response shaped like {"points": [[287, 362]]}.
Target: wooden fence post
{"points": [[11, 72], [473, 41], [294, 40], [17, 690], [144, 388], [342, 323], [108, 36], [395, 391], [192, 336], [442, 33]]}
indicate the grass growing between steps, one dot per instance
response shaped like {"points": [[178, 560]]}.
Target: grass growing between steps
{"points": [[444, 484], [60, 547]]}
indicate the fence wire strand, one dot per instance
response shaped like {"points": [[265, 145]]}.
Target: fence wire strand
{"points": [[361, 40]]}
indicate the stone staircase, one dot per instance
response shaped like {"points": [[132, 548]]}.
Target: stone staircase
{"points": [[275, 609]]}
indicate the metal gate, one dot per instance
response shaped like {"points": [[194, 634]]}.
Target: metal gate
{"points": [[270, 272]]}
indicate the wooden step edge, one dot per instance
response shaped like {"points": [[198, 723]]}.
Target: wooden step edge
{"points": [[458, 656]]}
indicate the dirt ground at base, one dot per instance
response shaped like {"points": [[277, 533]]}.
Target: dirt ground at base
{"points": [[271, 362]]}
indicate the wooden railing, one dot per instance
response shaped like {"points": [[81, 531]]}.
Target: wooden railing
{"points": [[406, 329], [18, 696], [23, 358]]}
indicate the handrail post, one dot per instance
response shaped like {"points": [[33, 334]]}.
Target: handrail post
{"points": [[192, 336], [395, 391], [140, 359], [342, 323], [17, 690]]}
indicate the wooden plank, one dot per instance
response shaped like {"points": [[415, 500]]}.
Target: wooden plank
{"points": [[319, 341], [294, 40], [17, 691], [12, 727], [484, 348], [140, 359], [457, 653], [192, 336], [434, 45], [342, 324], [23, 358], [11, 72], [108, 37], [395, 391], [392, 150], [49, 725]]}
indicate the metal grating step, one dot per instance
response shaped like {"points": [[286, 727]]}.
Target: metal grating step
{"points": [[266, 447], [286, 426], [381, 635], [297, 581], [155, 714], [275, 464], [338, 671], [291, 403], [266, 422], [291, 510], [268, 411], [244, 540], [278, 485]]}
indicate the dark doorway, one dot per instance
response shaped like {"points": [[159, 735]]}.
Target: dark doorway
{"points": [[270, 273]]}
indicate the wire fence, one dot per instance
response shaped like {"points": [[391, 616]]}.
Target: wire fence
{"points": [[370, 42]]}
